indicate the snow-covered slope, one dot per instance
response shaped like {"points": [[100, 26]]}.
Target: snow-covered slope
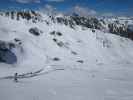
{"points": [[91, 59]]}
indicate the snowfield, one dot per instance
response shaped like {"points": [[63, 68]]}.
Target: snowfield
{"points": [[78, 64]]}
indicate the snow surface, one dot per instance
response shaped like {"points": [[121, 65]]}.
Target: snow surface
{"points": [[105, 72]]}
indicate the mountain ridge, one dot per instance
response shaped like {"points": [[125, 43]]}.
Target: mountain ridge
{"points": [[122, 26]]}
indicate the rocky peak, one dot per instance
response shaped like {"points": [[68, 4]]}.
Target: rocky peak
{"points": [[25, 14]]}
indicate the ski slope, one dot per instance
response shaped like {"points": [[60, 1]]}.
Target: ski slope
{"points": [[96, 65]]}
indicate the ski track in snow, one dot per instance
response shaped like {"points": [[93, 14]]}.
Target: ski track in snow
{"points": [[56, 83]]}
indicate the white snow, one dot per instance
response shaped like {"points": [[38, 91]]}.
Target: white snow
{"points": [[105, 74]]}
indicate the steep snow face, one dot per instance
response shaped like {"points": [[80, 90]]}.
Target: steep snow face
{"points": [[54, 43]]}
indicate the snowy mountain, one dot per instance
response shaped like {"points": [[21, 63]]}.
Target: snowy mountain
{"points": [[84, 48]]}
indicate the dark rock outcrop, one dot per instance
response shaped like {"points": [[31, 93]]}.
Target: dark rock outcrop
{"points": [[56, 59], [56, 33], [130, 31], [115, 26], [26, 14], [6, 54], [89, 22], [121, 29], [35, 31]]}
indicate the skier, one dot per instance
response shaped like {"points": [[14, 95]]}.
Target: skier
{"points": [[15, 77]]}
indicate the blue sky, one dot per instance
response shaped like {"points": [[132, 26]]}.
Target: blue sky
{"points": [[116, 7]]}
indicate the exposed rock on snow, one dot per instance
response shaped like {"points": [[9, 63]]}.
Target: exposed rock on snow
{"points": [[6, 54], [130, 31], [116, 25], [56, 59], [35, 31], [18, 15], [80, 61], [18, 41], [74, 53], [56, 33]]}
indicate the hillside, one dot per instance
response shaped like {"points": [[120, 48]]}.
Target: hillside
{"points": [[95, 63]]}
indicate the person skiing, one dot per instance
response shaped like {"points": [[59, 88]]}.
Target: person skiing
{"points": [[16, 77]]}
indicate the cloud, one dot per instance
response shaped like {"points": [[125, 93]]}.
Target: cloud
{"points": [[27, 1], [48, 9], [108, 14], [83, 11]]}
